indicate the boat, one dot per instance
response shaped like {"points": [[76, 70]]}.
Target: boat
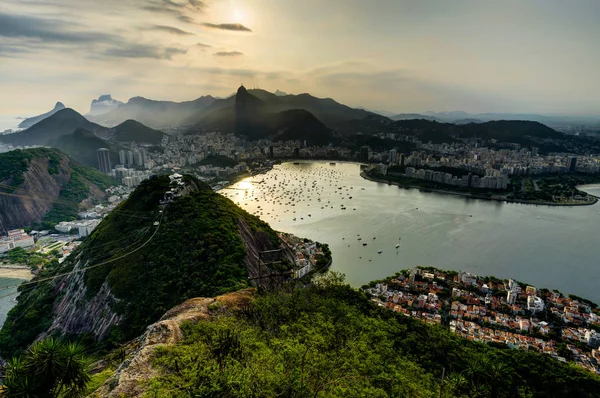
{"points": [[379, 251], [397, 246], [359, 238], [364, 244]]}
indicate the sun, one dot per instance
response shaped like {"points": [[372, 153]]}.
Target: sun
{"points": [[238, 15]]}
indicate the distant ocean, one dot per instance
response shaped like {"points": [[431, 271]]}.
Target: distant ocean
{"points": [[7, 298], [8, 122]]}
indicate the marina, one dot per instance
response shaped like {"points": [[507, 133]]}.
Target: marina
{"points": [[501, 239]]}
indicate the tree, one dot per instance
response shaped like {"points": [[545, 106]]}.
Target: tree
{"points": [[50, 368]]}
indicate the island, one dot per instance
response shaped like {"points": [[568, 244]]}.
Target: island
{"points": [[501, 312]]}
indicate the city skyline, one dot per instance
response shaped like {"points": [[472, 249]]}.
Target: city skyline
{"points": [[398, 56]]}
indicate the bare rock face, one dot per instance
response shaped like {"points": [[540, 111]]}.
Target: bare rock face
{"points": [[35, 198], [37, 194], [128, 380], [75, 314]]}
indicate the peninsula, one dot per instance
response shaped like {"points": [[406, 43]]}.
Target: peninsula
{"points": [[548, 190]]}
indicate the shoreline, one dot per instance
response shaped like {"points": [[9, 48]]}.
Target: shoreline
{"points": [[16, 273], [475, 196]]}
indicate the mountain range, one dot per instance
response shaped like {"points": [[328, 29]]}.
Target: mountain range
{"points": [[66, 121], [36, 119], [156, 114], [203, 244]]}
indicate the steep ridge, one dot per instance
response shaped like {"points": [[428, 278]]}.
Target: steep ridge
{"points": [[42, 185], [152, 258], [36, 119]]}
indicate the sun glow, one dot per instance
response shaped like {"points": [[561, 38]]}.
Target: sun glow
{"points": [[238, 15]]}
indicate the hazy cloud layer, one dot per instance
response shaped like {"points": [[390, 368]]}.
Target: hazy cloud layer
{"points": [[228, 54], [169, 29], [397, 55], [145, 51], [228, 26], [47, 30]]}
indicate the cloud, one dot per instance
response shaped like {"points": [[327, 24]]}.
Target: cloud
{"points": [[228, 54], [203, 46], [144, 51], [47, 30], [228, 26], [186, 19], [178, 9], [169, 29]]}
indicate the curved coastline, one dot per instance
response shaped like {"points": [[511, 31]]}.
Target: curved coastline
{"points": [[482, 197]]}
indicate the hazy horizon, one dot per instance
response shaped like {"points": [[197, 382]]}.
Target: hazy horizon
{"points": [[397, 56]]}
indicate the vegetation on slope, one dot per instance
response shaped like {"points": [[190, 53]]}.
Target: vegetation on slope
{"points": [[15, 163], [50, 368], [77, 189], [82, 146], [329, 340], [130, 130], [218, 161], [197, 251]]}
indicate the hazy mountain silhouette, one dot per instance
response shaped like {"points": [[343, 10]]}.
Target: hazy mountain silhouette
{"points": [[36, 119], [156, 114]]}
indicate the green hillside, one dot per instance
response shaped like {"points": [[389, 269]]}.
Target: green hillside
{"points": [[196, 250], [82, 146], [45, 186], [131, 130], [329, 340]]}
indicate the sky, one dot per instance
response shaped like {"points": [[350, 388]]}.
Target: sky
{"points": [[537, 56]]}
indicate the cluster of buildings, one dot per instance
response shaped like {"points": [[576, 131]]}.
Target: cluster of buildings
{"points": [[16, 238], [83, 227], [465, 181], [305, 254], [499, 311], [130, 177], [483, 161]]}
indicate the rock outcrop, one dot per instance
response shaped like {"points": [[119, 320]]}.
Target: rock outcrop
{"points": [[105, 103], [129, 378], [35, 197], [98, 316], [38, 188]]}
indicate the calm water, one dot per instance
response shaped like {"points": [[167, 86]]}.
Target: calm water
{"points": [[7, 298], [554, 247]]}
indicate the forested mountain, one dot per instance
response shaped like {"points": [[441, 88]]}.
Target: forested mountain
{"points": [[152, 258], [45, 186]]}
